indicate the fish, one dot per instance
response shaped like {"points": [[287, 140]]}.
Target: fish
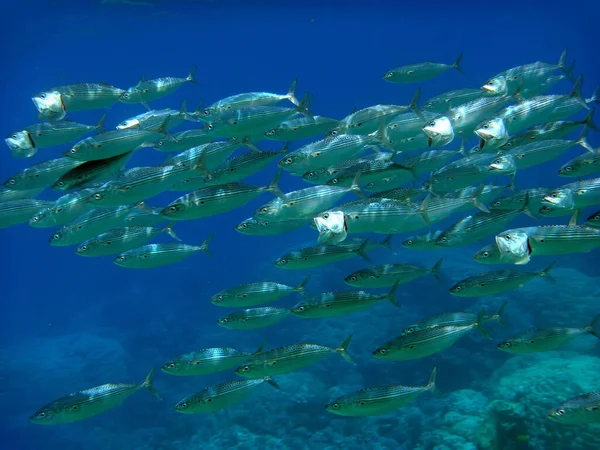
{"points": [[424, 241], [247, 100], [26, 142], [583, 409], [91, 224], [426, 342], [150, 256], [149, 216], [252, 294], [387, 275], [290, 358], [217, 199], [152, 120], [184, 140], [207, 361], [241, 166], [253, 318], [582, 165], [475, 227], [89, 402], [54, 103], [119, 240], [338, 303], [576, 195], [88, 172], [443, 102], [220, 396], [301, 128], [324, 174], [15, 212], [497, 282], [593, 221], [491, 254], [41, 175], [256, 227], [211, 155], [454, 319], [8, 195], [546, 339], [148, 90], [63, 210], [378, 400], [416, 72]]}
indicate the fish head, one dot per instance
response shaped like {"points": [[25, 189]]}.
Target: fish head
{"points": [[123, 259], [568, 170], [492, 133], [516, 245], [131, 95], [495, 86], [252, 369], [300, 309], [270, 134], [508, 346], [410, 330], [21, 144], [331, 226], [246, 226], [45, 416], [334, 132], [172, 367], [224, 322], [560, 198], [289, 161], [42, 219], [81, 148], [184, 406], [490, 254], [173, 210], [594, 220], [269, 210], [55, 239], [461, 288], [384, 352], [447, 240], [286, 260], [210, 114], [219, 298], [391, 75], [129, 123], [315, 176], [101, 196], [342, 407], [50, 105], [85, 249], [439, 131], [504, 164]]}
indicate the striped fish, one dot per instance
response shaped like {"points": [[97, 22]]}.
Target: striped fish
{"points": [[474, 227], [89, 402], [253, 318], [252, 294], [387, 275], [41, 175], [289, 359], [14, 212], [150, 256], [578, 410], [63, 210], [220, 396], [256, 227], [378, 400]]}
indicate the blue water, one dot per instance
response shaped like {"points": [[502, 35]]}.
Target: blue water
{"points": [[69, 323]]}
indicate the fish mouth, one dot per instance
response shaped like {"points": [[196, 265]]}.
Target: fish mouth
{"points": [[551, 200], [495, 166], [488, 88]]}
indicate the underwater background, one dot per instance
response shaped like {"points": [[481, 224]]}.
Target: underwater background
{"points": [[69, 323]]}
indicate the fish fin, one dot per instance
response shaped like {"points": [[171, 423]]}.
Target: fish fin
{"points": [[387, 242], [435, 270], [595, 98], [589, 120], [146, 105], [414, 104], [147, 384], [392, 294], [274, 187], [497, 316], [192, 75], [545, 272], [260, 348], [574, 218], [355, 187], [475, 199], [206, 243], [456, 64], [169, 230], [342, 350], [423, 209], [248, 144], [300, 288], [576, 93], [304, 107], [271, 382], [583, 141], [591, 328], [291, 93], [100, 126], [562, 65], [164, 127], [361, 250], [431, 384], [479, 324]]}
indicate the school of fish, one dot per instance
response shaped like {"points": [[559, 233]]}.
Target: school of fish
{"points": [[382, 155]]}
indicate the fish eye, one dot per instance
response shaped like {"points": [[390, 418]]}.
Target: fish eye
{"points": [[333, 133], [56, 236], [568, 169], [173, 209], [301, 308], [121, 258], [42, 95], [73, 151], [289, 160], [183, 405], [409, 242], [506, 344], [245, 368], [264, 210], [335, 406], [244, 225], [486, 126], [41, 415], [12, 182], [224, 320], [326, 216], [83, 247], [210, 127], [457, 288], [271, 132], [352, 278], [389, 74], [432, 123], [219, 297], [97, 196], [508, 237], [382, 351], [444, 239], [282, 261], [485, 254], [560, 412]]}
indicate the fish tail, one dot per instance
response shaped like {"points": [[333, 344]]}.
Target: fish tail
{"points": [[100, 126], [246, 142], [591, 328], [164, 127], [271, 382], [302, 285], [304, 107], [361, 250], [497, 316], [274, 186], [476, 199], [291, 93], [342, 350], [562, 65], [545, 273], [387, 242], [206, 243], [589, 120], [423, 209], [169, 230], [355, 186], [595, 98], [431, 384], [192, 75], [392, 294], [479, 324], [414, 103], [456, 64], [383, 138], [583, 139], [147, 384], [576, 93], [435, 271]]}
